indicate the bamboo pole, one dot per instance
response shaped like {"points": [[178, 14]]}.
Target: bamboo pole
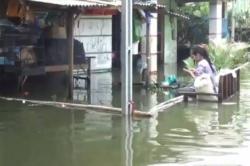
{"points": [[85, 107], [165, 105], [148, 52]]}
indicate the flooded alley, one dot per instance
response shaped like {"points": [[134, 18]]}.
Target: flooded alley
{"points": [[193, 134], [121, 82]]}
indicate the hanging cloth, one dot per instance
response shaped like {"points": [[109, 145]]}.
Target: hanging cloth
{"points": [[137, 26]]}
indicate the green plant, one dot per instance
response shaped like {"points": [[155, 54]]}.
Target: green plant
{"points": [[241, 15], [220, 56], [224, 55], [195, 29], [228, 55], [189, 63]]}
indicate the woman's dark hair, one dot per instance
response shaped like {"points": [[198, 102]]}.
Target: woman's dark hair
{"points": [[204, 53]]}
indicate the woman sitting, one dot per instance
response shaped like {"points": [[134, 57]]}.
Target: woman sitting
{"points": [[204, 74]]}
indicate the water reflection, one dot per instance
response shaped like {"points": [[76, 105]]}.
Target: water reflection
{"points": [[48, 136], [99, 92], [197, 133], [198, 129], [104, 91], [193, 134], [127, 141]]}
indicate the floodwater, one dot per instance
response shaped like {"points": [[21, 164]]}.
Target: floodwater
{"points": [[193, 134]]}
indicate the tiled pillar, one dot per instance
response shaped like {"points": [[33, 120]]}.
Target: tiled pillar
{"points": [[215, 20], [152, 66]]}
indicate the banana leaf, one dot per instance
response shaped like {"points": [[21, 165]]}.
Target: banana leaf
{"points": [[189, 63]]}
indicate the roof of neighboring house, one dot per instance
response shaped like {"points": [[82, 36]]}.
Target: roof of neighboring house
{"points": [[73, 3], [186, 1], [104, 3], [141, 3], [97, 3], [178, 14]]}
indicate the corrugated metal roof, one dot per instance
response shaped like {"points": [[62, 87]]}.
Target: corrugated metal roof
{"points": [[142, 4], [148, 4], [176, 14], [187, 1], [71, 3]]}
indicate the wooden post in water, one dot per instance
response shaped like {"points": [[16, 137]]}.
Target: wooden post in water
{"points": [[70, 39]]}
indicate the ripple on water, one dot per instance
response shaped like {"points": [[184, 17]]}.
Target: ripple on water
{"points": [[181, 159], [173, 135], [154, 143], [246, 132], [182, 130], [207, 152], [229, 103]]}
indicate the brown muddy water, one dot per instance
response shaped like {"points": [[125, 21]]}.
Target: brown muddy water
{"points": [[193, 134]]}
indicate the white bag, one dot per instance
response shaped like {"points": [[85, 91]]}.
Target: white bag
{"points": [[204, 84]]}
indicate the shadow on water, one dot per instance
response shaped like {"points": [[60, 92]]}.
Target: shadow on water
{"points": [[47, 87]]}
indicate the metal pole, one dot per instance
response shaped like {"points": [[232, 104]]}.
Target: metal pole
{"points": [[126, 55], [130, 43], [70, 38]]}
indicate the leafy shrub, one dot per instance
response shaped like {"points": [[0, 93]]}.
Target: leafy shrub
{"points": [[224, 55], [228, 55]]}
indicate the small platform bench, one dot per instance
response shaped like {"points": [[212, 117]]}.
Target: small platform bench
{"points": [[228, 86], [26, 71]]}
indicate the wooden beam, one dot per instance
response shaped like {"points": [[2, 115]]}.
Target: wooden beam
{"points": [[62, 68], [56, 68], [148, 81], [70, 38]]}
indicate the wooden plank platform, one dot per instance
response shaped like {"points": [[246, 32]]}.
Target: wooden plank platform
{"points": [[33, 71], [61, 68]]}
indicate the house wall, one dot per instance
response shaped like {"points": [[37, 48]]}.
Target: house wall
{"points": [[95, 32], [170, 55]]}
